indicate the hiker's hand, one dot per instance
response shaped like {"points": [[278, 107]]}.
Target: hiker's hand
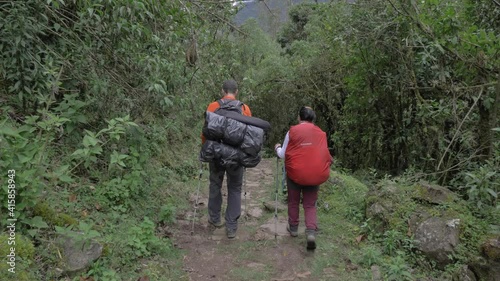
{"points": [[276, 146]]}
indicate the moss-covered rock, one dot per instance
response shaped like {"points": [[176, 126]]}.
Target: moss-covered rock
{"points": [[485, 269], [420, 214], [433, 194], [491, 249], [78, 253], [24, 253], [464, 273], [52, 217], [443, 226], [437, 238], [24, 248], [389, 206]]}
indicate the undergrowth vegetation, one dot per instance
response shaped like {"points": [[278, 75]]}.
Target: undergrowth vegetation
{"points": [[390, 250], [95, 100], [404, 89]]}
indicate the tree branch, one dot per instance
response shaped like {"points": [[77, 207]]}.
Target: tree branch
{"points": [[269, 8], [394, 7], [429, 32], [458, 129], [222, 19]]}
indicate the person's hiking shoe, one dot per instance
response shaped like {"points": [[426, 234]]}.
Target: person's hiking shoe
{"points": [[311, 239], [216, 224], [293, 230], [231, 233]]}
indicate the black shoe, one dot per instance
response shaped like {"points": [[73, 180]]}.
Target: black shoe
{"points": [[311, 239], [231, 233], [215, 224], [293, 230]]}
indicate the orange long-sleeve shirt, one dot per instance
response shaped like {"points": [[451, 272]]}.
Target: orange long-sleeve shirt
{"points": [[245, 110]]}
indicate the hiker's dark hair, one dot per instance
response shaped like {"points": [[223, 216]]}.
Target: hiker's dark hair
{"points": [[229, 86], [307, 114]]}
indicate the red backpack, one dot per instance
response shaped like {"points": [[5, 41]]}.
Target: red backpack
{"points": [[307, 158]]}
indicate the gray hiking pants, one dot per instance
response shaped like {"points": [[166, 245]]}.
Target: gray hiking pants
{"points": [[234, 181]]}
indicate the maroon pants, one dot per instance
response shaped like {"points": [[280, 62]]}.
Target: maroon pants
{"points": [[309, 198]]}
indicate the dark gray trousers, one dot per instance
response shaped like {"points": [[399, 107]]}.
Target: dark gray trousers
{"points": [[234, 182]]}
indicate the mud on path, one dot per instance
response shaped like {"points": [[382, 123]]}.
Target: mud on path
{"points": [[258, 252]]}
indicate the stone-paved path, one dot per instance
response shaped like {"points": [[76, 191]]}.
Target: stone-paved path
{"points": [[262, 247]]}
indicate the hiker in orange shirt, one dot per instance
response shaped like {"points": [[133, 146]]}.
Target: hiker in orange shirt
{"points": [[234, 173]]}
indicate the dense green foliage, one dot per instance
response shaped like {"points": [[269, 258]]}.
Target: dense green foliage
{"points": [[403, 88], [100, 110], [397, 85], [95, 99]]}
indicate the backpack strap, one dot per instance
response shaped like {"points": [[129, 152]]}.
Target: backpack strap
{"points": [[222, 102]]}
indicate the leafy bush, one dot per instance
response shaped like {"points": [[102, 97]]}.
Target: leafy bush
{"points": [[483, 186], [167, 214], [143, 242], [120, 193], [96, 94], [23, 152], [398, 269], [392, 241], [371, 255]]}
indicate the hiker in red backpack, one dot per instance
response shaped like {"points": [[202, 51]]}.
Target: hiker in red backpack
{"points": [[234, 174], [307, 163]]}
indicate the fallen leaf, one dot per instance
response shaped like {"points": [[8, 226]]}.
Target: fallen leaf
{"points": [[72, 198], [143, 278], [360, 238], [84, 213], [97, 206]]}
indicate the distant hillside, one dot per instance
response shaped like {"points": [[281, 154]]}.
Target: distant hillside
{"points": [[270, 16]]}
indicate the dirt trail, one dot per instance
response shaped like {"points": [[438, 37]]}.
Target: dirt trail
{"points": [[255, 253]]}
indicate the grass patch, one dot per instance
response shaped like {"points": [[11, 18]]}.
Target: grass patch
{"points": [[340, 212]]}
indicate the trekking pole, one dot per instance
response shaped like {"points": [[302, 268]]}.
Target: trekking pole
{"points": [[197, 196], [276, 201], [245, 191], [283, 181]]}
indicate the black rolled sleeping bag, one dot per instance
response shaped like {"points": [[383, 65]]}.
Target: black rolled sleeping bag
{"points": [[233, 138], [253, 140], [214, 126], [234, 132], [227, 155], [249, 120]]}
